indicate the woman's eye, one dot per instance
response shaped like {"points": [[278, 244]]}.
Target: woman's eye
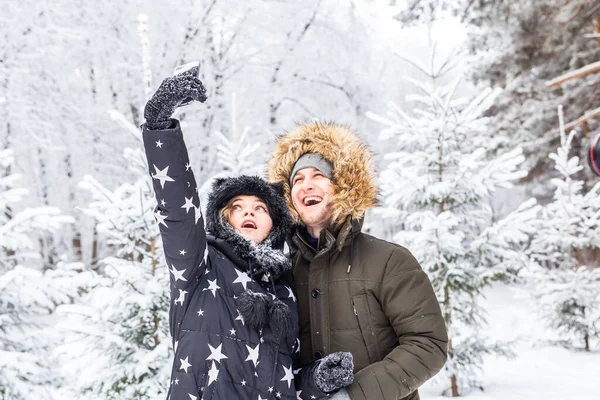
{"points": [[236, 207], [261, 208]]}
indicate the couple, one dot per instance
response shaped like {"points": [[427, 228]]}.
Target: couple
{"points": [[349, 316]]}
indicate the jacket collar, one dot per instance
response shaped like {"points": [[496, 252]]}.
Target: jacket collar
{"points": [[258, 259], [334, 238]]}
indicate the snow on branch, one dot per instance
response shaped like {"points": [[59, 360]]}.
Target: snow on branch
{"points": [[578, 73], [588, 115]]}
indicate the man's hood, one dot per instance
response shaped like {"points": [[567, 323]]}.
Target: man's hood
{"points": [[353, 175]]}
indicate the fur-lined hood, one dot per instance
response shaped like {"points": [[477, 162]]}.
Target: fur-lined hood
{"points": [[225, 189], [353, 175]]}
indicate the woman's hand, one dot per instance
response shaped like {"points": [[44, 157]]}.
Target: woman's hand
{"points": [[171, 93]]}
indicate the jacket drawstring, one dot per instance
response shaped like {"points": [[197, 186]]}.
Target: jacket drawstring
{"points": [[272, 284]]}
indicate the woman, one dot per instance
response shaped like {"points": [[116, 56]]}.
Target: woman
{"points": [[233, 319]]}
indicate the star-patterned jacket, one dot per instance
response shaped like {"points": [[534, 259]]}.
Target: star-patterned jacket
{"points": [[217, 355]]}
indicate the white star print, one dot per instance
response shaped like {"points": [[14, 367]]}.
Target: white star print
{"points": [[288, 375], [197, 214], [232, 332], [278, 395], [161, 175], [160, 218], [188, 203], [181, 297], [291, 294], [205, 254], [187, 166], [270, 389], [201, 313], [212, 374], [243, 382], [163, 202], [313, 396], [253, 356], [177, 274], [159, 144], [260, 398], [240, 318], [242, 278], [185, 364], [216, 354], [192, 397], [212, 286], [177, 381], [298, 392], [175, 345], [182, 252]]}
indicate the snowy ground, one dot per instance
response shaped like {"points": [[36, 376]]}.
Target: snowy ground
{"points": [[540, 371]]}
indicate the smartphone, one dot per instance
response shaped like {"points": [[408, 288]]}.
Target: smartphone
{"points": [[181, 69]]}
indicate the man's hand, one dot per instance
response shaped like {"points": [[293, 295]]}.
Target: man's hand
{"points": [[171, 93], [334, 371]]}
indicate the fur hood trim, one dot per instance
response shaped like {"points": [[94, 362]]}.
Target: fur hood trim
{"points": [[353, 174]]}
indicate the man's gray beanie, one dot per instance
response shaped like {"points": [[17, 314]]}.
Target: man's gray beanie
{"points": [[313, 160]]}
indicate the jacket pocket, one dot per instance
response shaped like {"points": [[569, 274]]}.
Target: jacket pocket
{"points": [[361, 310]]}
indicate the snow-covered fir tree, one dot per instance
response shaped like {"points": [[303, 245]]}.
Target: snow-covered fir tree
{"points": [[566, 281], [438, 186], [520, 46], [28, 296], [118, 343]]}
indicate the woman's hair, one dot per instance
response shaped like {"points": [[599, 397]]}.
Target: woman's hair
{"points": [[225, 212]]}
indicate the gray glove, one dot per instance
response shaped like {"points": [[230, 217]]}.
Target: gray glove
{"points": [[334, 371], [171, 93]]}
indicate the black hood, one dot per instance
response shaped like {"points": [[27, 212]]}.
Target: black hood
{"points": [[224, 189]]}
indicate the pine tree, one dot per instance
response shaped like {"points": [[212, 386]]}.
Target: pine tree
{"points": [[566, 284], [27, 295], [521, 46], [120, 322], [439, 184]]}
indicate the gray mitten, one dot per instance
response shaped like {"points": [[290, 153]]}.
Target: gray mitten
{"points": [[334, 371], [170, 94]]}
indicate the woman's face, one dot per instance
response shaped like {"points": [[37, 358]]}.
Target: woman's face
{"points": [[250, 217]]}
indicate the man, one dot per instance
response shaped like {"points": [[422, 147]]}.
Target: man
{"points": [[356, 293]]}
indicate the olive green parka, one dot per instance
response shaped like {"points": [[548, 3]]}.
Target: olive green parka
{"points": [[355, 292]]}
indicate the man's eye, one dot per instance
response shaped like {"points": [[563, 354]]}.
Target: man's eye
{"points": [[296, 180]]}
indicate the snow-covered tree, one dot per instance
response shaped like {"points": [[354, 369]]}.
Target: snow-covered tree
{"points": [[520, 46], [120, 322], [27, 294], [438, 185], [567, 280]]}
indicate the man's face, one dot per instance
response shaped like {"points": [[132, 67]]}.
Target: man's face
{"points": [[312, 192], [250, 217]]}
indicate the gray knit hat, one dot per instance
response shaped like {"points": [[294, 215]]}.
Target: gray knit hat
{"points": [[313, 160]]}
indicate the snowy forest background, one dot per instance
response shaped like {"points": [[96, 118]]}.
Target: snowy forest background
{"points": [[478, 112]]}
